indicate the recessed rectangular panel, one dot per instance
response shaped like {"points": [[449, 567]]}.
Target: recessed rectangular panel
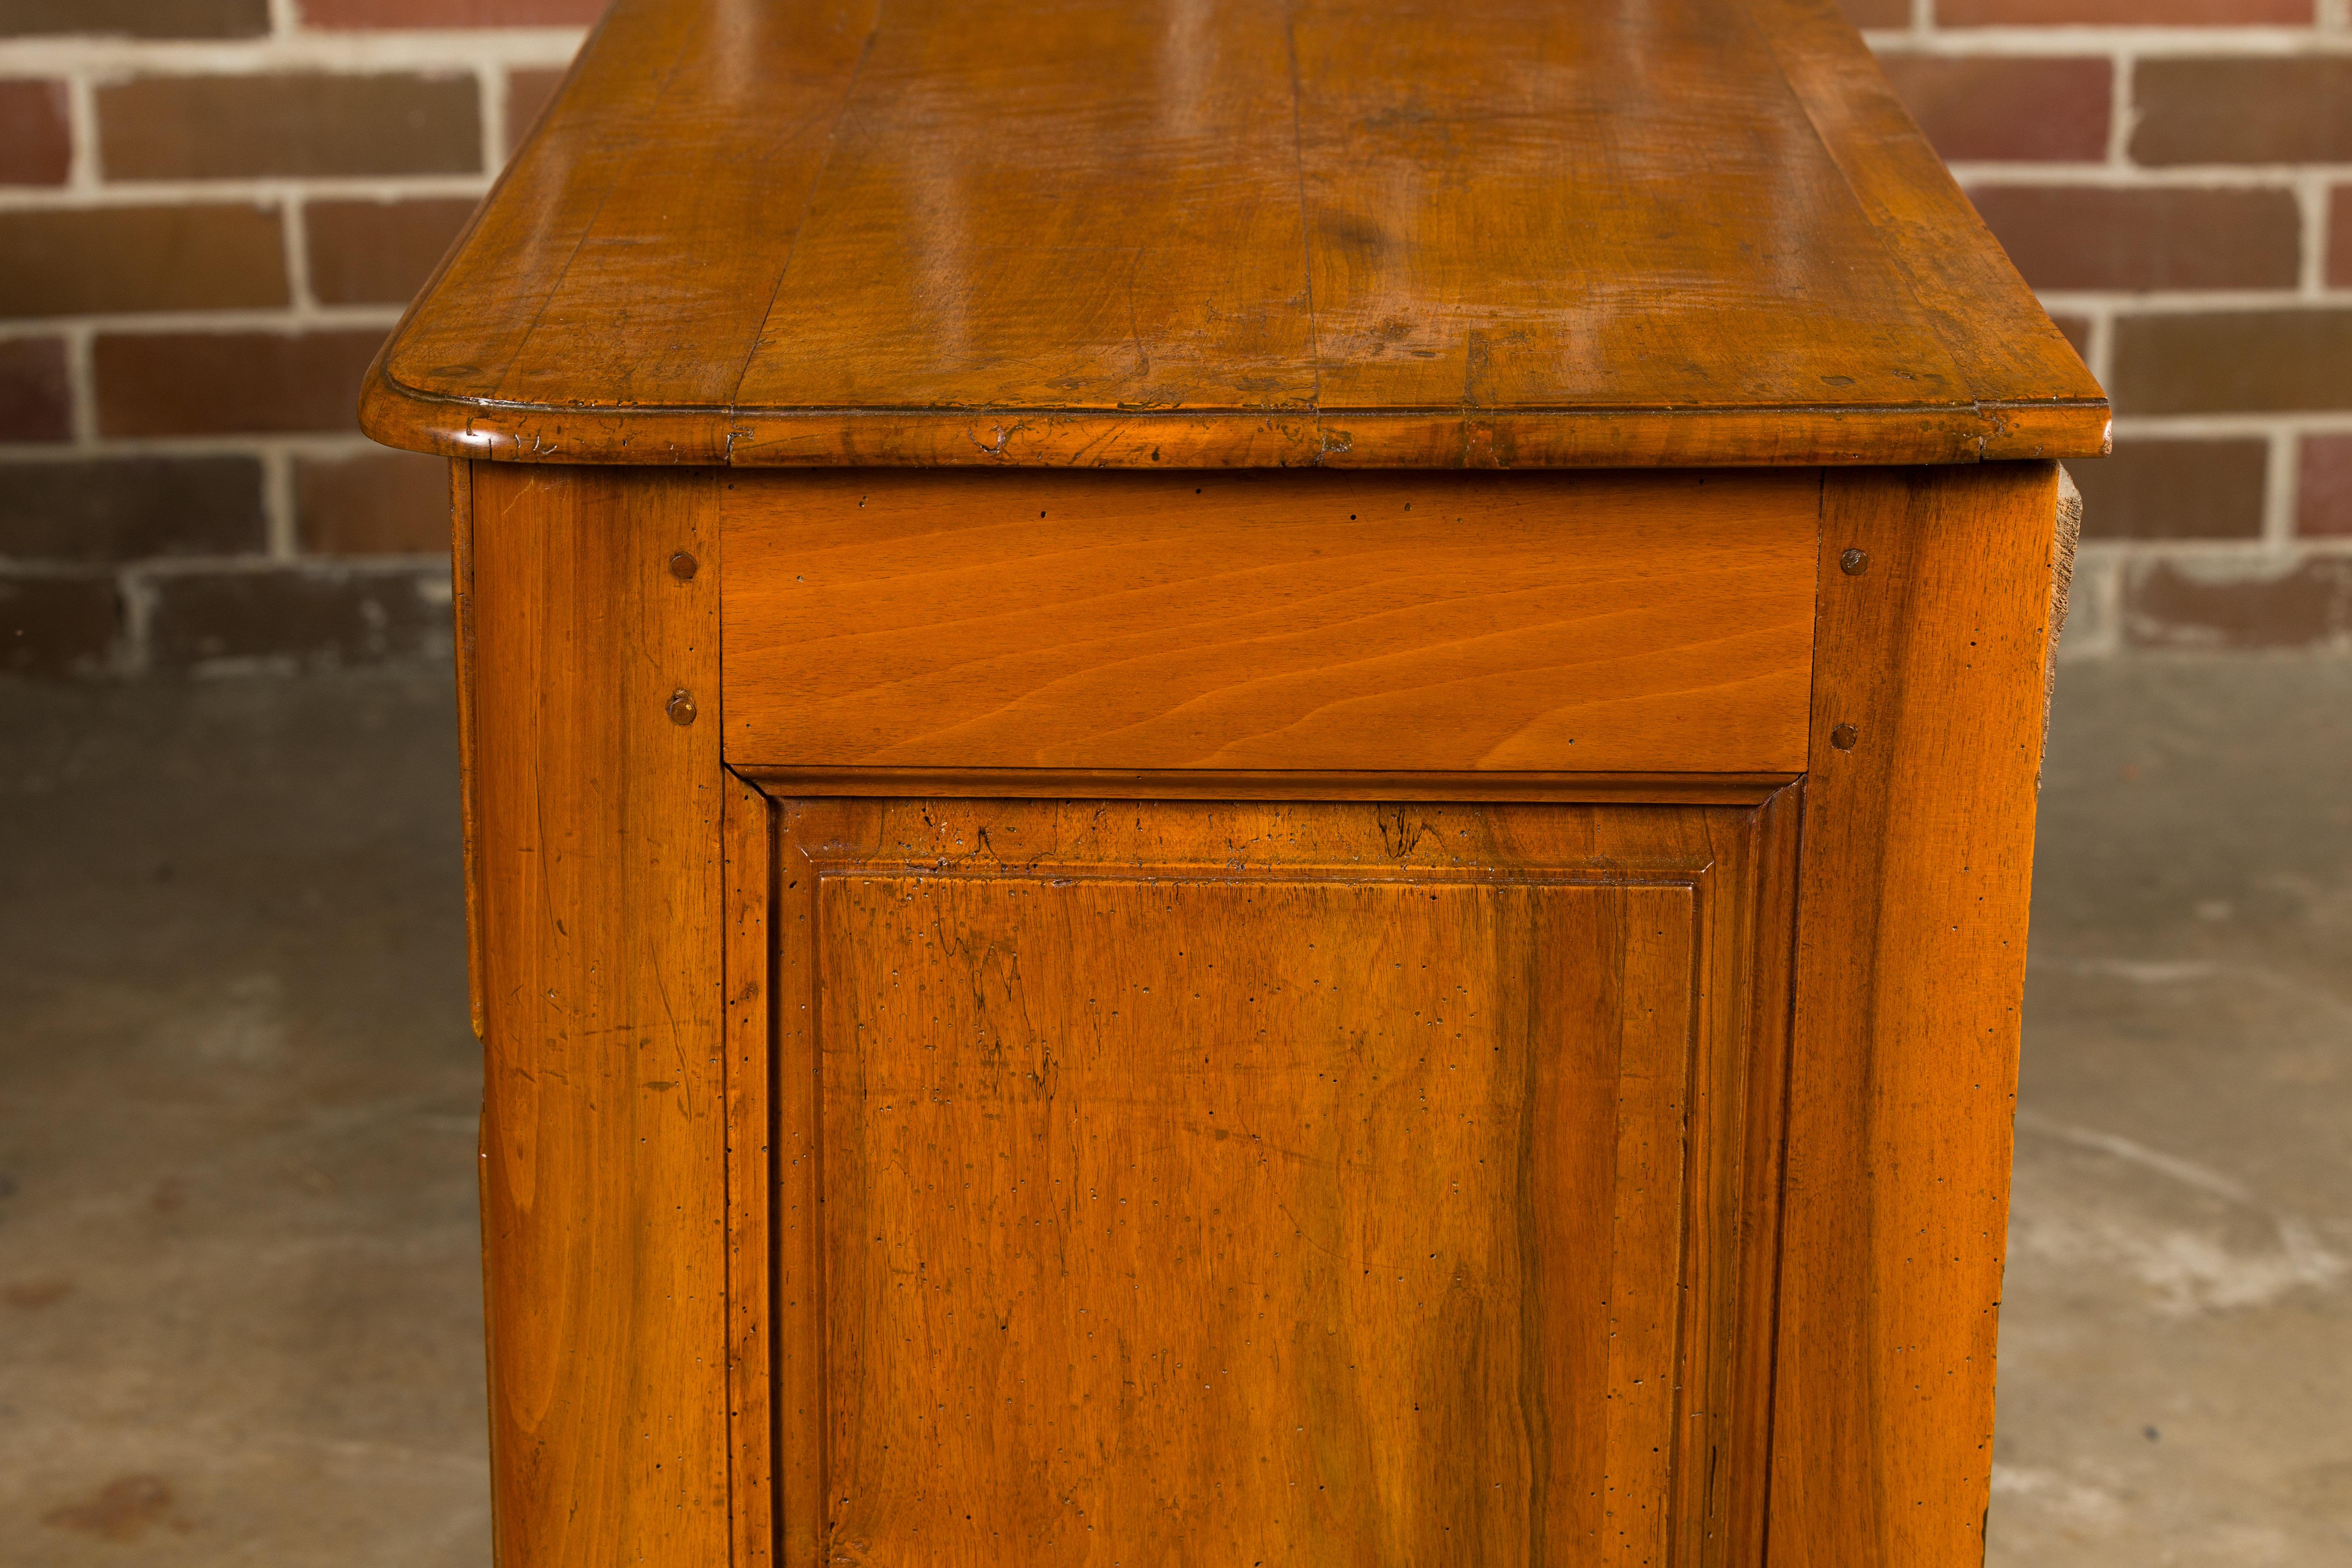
{"points": [[1577, 623], [1249, 1183]]}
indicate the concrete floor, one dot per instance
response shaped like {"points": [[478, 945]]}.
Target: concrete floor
{"points": [[239, 1317], [2176, 1361], [240, 1306]]}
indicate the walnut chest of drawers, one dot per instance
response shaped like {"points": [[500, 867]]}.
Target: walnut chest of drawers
{"points": [[1247, 783]]}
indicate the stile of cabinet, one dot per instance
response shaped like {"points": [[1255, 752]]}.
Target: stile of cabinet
{"points": [[1117, 936]]}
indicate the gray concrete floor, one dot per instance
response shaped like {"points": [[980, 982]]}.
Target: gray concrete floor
{"points": [[2176, 1360], [240, 1305], [239, 1314]]}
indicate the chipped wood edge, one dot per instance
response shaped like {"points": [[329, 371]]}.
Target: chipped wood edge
{"points": [[2068, 538]]}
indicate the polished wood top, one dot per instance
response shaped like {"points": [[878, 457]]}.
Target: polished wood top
{"points": [[1401, 233]]}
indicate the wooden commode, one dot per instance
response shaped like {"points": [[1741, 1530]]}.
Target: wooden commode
{"points": [[1247, 785]]}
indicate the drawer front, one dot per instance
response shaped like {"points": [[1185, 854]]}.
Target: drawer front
{"points": [[1302, 621]]}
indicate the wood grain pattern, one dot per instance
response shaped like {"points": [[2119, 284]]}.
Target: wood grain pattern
{"points": [[798, 1341], [1206, 783], [1219, 233], [751, 1182], [1751, 970], [1399, 623], [1910, 969], [602, 934], [1266, 1181], [461, 612], [688, 125], [1947, 261]]}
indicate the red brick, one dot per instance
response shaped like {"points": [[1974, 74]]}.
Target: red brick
{"points": [[1878, 13], [59, 623], [35, 138], [137, 18], [2234, 362], [1998, 111], [379, 253], [36, 399], [2260, 605], [130, 509], [2123, 13], [312, 123], [78, 261], [318, 616], [451, 13], [2285, 111], [211, 383], [2071, 236], [2324, 495], [2173, 490], [528, 93], [377, 503], [2339, 238]]}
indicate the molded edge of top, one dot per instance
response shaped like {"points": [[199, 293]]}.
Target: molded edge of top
{"points": [[1468, 437], [1876, 147]]}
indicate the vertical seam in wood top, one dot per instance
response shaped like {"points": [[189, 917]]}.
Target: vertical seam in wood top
{"points": [[792, 244], [498, 180], [555, 284], [1896, 269], [1305, 233]]}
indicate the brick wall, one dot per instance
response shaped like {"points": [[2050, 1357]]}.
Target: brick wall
{"points": [[212, 210], [2175, 178]]}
